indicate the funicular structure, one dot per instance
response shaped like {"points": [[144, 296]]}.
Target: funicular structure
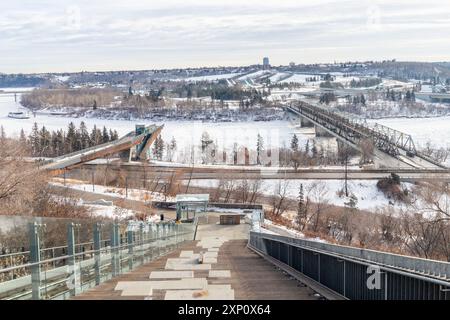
{"points": [[132, 146]]}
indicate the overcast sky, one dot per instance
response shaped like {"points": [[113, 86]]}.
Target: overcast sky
{"points": [[60, 35]]}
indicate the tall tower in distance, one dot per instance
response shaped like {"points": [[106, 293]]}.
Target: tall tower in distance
{"points": [[266, 63]]}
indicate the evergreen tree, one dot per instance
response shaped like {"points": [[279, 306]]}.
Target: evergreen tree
{"points": [[301, 209], [314, 149], [205, 141], [95, 105], [173, 144], [44, 142], [408, 96], [23, 138], [60, 142], [54, 144], [70, 140], [34, 140], [307, 147], [96, 136], [84, 136], [105, 135], [259, 148], [362, 100], [294, 143], [77, 141], [111, 135], [2, 133], [158, 148]]}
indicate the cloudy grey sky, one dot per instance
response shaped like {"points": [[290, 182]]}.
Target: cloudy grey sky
{"points": [[60, 35]]}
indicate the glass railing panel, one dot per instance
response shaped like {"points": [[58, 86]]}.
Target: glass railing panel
{"points": [[48, 258]]}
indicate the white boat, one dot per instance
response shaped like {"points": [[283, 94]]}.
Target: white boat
{"points": [[18, 115]]}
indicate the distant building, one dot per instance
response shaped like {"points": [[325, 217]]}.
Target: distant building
{"points": [[266, 63], [291, 64]]}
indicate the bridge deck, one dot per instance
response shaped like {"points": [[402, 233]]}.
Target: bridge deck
{"points": [[251, 277]]}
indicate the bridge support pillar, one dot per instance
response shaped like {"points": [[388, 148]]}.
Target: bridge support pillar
{"points": [[305, 123], [322, 132]]}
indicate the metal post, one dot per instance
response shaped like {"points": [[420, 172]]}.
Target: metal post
{"points": [[97, 248], [178, 212], [318, 260], [130, 247], [385, 285], [158, 239], [71, 251], [345, 283], [93, 180], [114, 249], [303, 261], [35, 259], [141, 239], [176, 234]]}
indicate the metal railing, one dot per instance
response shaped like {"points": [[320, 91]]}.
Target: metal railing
{"points": [[358, 274], [61, 272]]}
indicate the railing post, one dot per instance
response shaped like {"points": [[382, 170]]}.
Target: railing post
{"points": [[345, 283], [385, 286], [72, 265], [97, 253], [130, 246], [318, 263], [158, 244], [303, 261], [114, 248], [175, 230], [142, 242], [35, 259]]}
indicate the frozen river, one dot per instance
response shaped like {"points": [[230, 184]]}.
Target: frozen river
{"points": [[435, 130], [186, 133]]}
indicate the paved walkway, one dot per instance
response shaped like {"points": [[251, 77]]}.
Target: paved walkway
{"points": [[228, 271]]}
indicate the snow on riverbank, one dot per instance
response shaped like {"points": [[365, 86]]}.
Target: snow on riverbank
{"points": [[366, 191]]}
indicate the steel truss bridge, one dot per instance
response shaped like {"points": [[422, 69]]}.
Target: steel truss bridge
{"points": [[355, 131]]}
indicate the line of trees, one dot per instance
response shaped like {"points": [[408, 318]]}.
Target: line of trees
{"points": [[44, 143]]}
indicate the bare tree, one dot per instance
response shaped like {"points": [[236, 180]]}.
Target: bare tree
{"points": [[279, 205], [317, 195]]}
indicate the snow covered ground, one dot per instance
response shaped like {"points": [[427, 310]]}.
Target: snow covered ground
{"points": [[294, 233], [211, 77], [301, 78], [369, 197], [254, 75], [133, 194]]}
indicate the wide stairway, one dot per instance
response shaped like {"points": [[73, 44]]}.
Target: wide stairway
{"points": [[217, 265]]}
